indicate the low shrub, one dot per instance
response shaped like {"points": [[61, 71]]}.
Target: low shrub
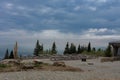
{"points": [[59, 64], [107, 59], [3, 65]]}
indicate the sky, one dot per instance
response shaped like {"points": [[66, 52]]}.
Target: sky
{"points": [[77, 21]]}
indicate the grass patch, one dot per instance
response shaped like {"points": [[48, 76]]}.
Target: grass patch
{"points": [[10, 67], [3, 65]]}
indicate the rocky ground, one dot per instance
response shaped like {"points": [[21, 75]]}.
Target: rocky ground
{"points": [[93, 70]]}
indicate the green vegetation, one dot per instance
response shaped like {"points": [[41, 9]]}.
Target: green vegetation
{"points": [[6, 54], [79, 49], [11, 55], [38, 49], [66, 51], [108, 52], [87, 50], [94, 53], [69, 49], [38, 64], [54, 51], [89, 47], [3, 65], [72, 49]]}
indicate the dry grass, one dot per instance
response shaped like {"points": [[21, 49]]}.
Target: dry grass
{"points": [[107, 59], [45, 71], [110, 59], [59, 68], [11, 67]]}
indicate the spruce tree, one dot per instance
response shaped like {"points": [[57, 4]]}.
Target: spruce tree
{"points": [[89, 47], [38, 49], [66, 51], [108, 52], [83, 48], [53, 50], [41, 49], [11, 55], [6, 54], [72, 48], [79, 49]]}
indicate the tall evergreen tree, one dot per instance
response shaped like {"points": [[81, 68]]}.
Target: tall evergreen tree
{"points": [[6, 54], [11, 55], [41, 49], [79, 49], [108, 52], [72, 48], [66, 51], [89, 47], [83, 48], [36, 50], [53, 50]]}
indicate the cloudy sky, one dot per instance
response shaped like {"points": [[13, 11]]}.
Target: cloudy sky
{"points": [[78, 21]]}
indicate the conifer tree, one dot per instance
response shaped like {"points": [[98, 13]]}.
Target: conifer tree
{"points": [[36, 50], [83, 48], [89, 47], [53, 50], [108, 52], [66, 51], [41, 49], [79, 49], [11, 55], [6, 54], [72, 48]]}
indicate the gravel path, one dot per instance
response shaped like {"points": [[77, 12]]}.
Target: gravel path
{"points": [[97, 71]]}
